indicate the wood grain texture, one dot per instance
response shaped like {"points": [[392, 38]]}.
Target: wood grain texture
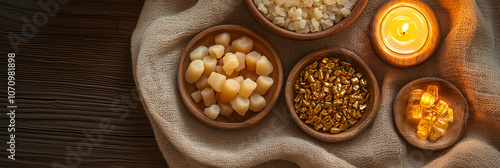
{"points": [[234, 121], [372, 105], [356, 11], [72, 76]]}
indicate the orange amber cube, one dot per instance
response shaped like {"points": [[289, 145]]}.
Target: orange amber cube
{"points": [[441, 124], [416, 94], [427, 114], [427, 100], [448, 115], [435, 134], [423, 129], [433, 90], [416, 111], [440, 107]]}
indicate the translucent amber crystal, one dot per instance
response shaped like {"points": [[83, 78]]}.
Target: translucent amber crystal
{"points": [[440, 107], [433, 90], [427, 100], [416, 111], [416, 94], [435, 134], [427, 115], [423, 129], [441, 124], [448, 115]]}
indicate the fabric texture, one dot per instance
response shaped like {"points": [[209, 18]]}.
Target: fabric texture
{"points": [[468, 57]]}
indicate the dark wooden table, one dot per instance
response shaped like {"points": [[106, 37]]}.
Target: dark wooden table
{"points": [[75, 92]]}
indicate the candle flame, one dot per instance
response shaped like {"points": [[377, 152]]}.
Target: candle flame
{"points": [[405, 27]]}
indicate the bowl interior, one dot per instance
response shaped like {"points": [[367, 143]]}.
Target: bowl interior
{"points": [[372, 103], [234, 121], [344, 23], [407, 127]]}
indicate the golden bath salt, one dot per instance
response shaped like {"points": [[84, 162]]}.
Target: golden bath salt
{"points": [[242, 44], [223, 39], [212, 112], [194, 71]]}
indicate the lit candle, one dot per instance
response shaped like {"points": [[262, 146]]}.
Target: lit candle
{"points": [[404, 33], [404, 30]]}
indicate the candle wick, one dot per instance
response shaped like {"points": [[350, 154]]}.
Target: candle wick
{"points": [[404, 33]]}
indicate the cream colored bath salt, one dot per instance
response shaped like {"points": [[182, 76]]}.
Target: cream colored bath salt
{"points": [[223, 39], [196, 96], [229, 91], [208, 96], [242, 44], [202, 83], [209, 64], [194, 71], [257, 102], [216, 51], [247, 87], [263, 66], [225, 109], [263, 84], [251, 59], [230, 63], [240, 104], [212, 112], [198, 53], [216, 81]]}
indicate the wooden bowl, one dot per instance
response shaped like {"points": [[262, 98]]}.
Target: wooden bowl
{"points": [[234, 121], [407, 128], [356, 11], [360, 66]]}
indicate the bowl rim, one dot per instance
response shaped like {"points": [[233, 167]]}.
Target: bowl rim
{"points": [[191, 105], [344, 23], [325, 136], [415, 142]]}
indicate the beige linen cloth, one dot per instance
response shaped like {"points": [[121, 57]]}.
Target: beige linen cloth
{"points": [[468, 57]]}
